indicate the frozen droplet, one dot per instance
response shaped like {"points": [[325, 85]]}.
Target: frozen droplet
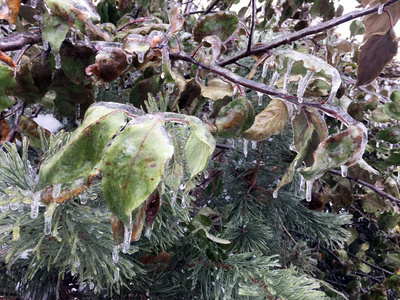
{"points": [[35, 205], [275, 194], [14, 205], [281, 59], [274, 78], [116, 275], [260, 98], [245, 147], [344, 170], [170, 87], [292, 147], [107, 85], [47, 224], [57, 59], [56, 190], [46, 45], [127, 236], [148, 232], [140, 56], [129, 58], [4, 208], [303, 83], [254, 145], [182, 186], [91, 285], [83, 198], [377, 144], [302, 183], [183, 203], [78, 111], [115, 254], [309, 185], [265, 67], [391, 146], [162, 75], [380, 9], [232, 142]]}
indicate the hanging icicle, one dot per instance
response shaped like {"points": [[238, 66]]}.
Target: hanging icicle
{"points": [[127, 236], [309, 185]]}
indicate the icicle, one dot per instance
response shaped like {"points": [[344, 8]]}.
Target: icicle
{"points": [[127, 236], [232, 142], [344, 170], [287, 74], [96, 90], [245, 146], [281, 59], [292, 147], [78, 111], [254, 145], [107, 85], [83, 198], [260, 98], [309, 185], [377, 144], [116, 275], [35, 205], [302, 183], [129, 59], [274, 78], [140, 56], [275, 194], [148, 232], [115, 254], [183, 203], [173, 199], [46, 45], [56, 190], [48, 216], [4, 208], [303, 83], [57, 59], [380, 9], [265, 67]]}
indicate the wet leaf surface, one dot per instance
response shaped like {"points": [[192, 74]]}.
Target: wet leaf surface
{"points": [[221, 24]]}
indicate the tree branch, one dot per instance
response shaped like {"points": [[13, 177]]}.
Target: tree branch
{"points": [[371, 265], [253, 23], [369, 185], [210, 8], [19, 40], [286, 39]]}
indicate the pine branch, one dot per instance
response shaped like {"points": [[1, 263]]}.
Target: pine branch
{"points": [[286, 39]]}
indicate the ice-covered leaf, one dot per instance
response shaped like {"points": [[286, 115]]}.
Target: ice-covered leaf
{"points": [[9, 10], [356, 27], [136, 43], [315, 64], [357, 107], [343, 148], [85, 148], [221, 24], [28, 127], [392, 109], [308, 121], [176, 21], [7, 81], [270, 121], [216, 89], [380, 23], [199, 147], [391, 134], [54, 31], [234, 118], [216, 46], [134, 163], [375, 53], [110, 62], [188, 95]]}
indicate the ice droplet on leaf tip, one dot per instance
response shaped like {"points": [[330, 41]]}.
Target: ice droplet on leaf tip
{"points": [[4, 208], [127, 236], [140, 56], [254, 145], [245, 147], [309, 185], [275, 194], [344, 169], [47, 224], [115, 254], [57, 59]]}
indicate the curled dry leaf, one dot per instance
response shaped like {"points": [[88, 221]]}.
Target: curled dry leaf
{"points": [[380, 23], [217, 89], [176, 20], [6, 59], [270, 121], [9, 10], [375, 53]]}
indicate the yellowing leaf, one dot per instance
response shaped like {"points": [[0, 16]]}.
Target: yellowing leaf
{"points": [[375, 53], [270, 121], [216, 89], [176, 20]]}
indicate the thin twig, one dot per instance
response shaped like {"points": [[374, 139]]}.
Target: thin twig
{"points": [[210, 8], [372, 265], [253, 23], [369, 185], [287, 232], [287, 39]]}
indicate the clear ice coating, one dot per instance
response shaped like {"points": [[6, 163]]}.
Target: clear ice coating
{"points": [[245, 147], [265, 67], [148, 232], [115, 254], [47, 224], [56, 190], [4, 208], [309, 185], [287, 74], [274, 78], [380, 9], [303, 82], [173, 199], [116, 275], [127, 236], [183, 203], [344, 170], [35, 205], [46, 45], [302, 183], [254, 145], [14, 205], [57, 59], [260, 98], [140, 56]]}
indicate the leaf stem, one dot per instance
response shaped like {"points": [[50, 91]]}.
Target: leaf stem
{"points": [[253, 23]]}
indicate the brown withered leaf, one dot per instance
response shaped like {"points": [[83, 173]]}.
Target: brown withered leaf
{"points": [[153, 207], [6, 59], [9, 10], [375, 54], [4, 131], [380, 23], [28, 127], [270, 121], [176, 20], [117, 229], [158, 263], [138, 217]]}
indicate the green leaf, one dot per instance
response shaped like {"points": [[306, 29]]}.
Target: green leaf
{"points": [[221, 24], [7, 81], [234, 118], [54, 30], [85, 148], [134, 163], [391, 134], [270, 121], [199, 147], [343, 148]]}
